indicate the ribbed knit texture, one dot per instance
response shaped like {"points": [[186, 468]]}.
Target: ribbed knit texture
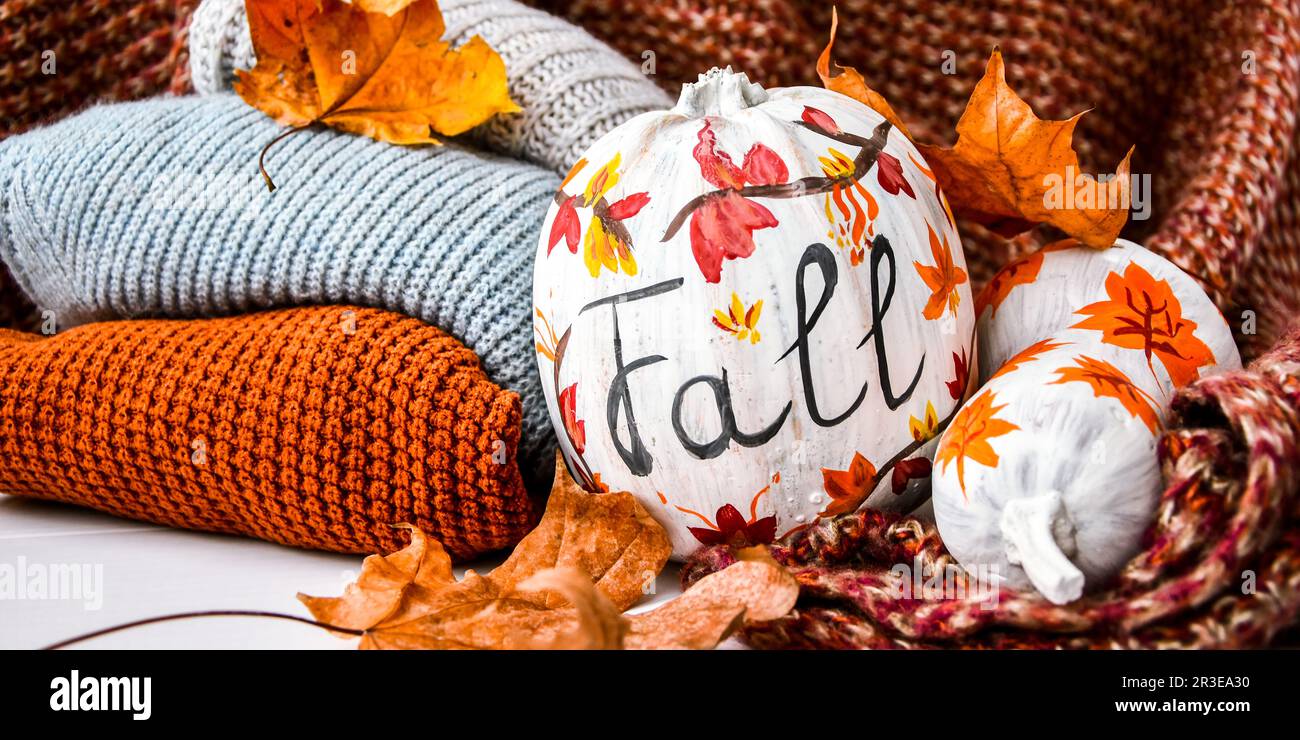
{"points": [[155, 208], [318, 427], [571, 87]]}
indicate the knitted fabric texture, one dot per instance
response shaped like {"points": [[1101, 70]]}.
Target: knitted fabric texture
{"points": [[317, 427], [155, 209], [55, 57], [1232, 464], [571, 87]]}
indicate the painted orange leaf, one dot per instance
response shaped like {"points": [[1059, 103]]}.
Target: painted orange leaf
{"points": [[847, 81], [1010, 170], [1143, 313], [849, 488], [942, 278], [1109, 381], [1020, 272], [387, 75], [1023, 271], [1027, 354], [969, 436]]}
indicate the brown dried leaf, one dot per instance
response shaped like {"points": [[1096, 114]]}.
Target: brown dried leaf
{"points": [[1008, 169], [610, 537], [848, 81], [410, 599], [747, 591], [388, 585], [599, 624]]}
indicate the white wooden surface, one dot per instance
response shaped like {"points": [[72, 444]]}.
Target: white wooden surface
{"points": [[149, 571]]}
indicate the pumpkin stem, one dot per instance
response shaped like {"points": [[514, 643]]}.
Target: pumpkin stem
{"points": [[719, 92], [1036, 530]]}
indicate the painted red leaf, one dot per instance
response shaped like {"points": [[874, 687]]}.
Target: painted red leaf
{"points": [[628, 207], [566, 226], [576, 429], [822, 120], [764, 167], [906, 470], [890, 173], [723, 228]]}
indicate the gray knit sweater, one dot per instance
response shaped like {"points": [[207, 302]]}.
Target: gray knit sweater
{"points": [[156, 208], [571, 87]]}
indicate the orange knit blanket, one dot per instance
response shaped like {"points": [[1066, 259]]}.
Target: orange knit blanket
{"points": [[316, 427]]}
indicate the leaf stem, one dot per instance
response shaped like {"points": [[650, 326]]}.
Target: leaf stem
{"points": [[192, 615], [261, 160]]}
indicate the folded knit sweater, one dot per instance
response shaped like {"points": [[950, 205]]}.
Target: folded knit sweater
{"points": [[155, 209], [318, 427], [571, 87]]}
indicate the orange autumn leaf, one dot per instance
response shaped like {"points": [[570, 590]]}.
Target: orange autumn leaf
{"points": [[847, 81], [1109, 381], [1009, 169], [1143, 313], [385, 74], [1028, 354], [942, 278], [969, 436], [849, 488]]}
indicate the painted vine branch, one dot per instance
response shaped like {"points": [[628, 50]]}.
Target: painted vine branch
{"points": [[869, 151]]}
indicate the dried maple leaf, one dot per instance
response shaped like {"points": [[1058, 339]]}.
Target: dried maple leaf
{"points": [[411, 599], [969, 436], [384, 74], [565, 586], [599, 624], [753, 590], [848, 81], [1008, 168], [388, 584], [1143, 313], [1109, 381]]}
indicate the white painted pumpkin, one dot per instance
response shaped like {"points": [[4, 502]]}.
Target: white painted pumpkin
{"points": [[752, 310], [1049, 474]]}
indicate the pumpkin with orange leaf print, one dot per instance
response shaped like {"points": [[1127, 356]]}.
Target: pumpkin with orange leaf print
{"points": [[1048, 476], [752, 310]]}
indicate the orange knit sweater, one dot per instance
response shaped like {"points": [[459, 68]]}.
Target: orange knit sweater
{"points": [[317, 427]]}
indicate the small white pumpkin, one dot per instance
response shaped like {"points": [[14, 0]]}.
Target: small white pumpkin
{"points": [[752, 310], [1049, 474]]}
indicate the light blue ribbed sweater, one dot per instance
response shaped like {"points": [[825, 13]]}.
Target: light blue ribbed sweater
{"points": [[156, 208]]}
